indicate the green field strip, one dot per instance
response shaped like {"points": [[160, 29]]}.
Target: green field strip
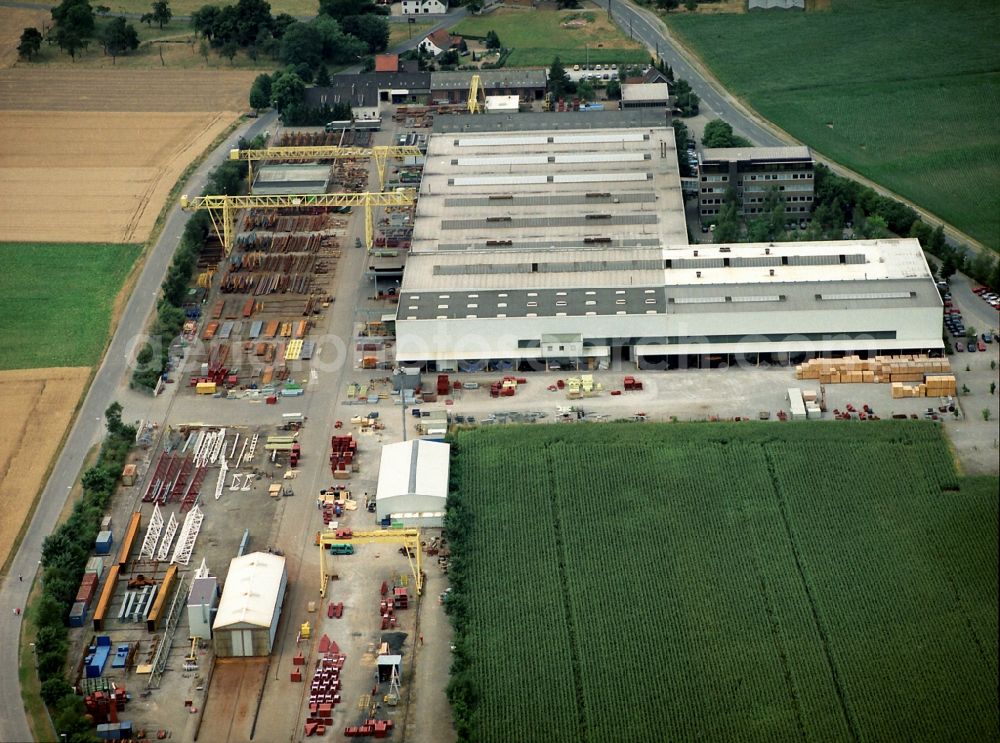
{"points": [[56, 301]]}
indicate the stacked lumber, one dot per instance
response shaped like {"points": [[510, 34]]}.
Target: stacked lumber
{"points": [[906, 368]]}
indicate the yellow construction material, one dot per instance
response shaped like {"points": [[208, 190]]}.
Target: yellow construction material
{"points": [[222, 209], [408, 538], [382, 153], [293, 351]]}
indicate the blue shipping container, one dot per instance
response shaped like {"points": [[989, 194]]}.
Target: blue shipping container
{"points": [[77, 614], [102, 544]]}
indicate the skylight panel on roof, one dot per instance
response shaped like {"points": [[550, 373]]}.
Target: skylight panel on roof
{"points": [[864, 296]]}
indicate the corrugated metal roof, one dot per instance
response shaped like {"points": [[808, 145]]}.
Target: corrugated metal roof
{"points": [[414, 468]]}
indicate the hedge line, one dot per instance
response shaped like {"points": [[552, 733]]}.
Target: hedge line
{"points": [[64, 558]]}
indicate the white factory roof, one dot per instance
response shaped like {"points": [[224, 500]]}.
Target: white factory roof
{"points": [[251, 591], [645, 92], [500, 103], [414, 468], [756, 153], [538, 188]]}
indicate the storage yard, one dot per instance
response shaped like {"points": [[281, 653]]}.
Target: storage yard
{"points": [[732, 582]]}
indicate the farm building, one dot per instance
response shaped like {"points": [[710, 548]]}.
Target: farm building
{"points": [[404, 86], [248, 613], [453, 87], [413, 483], [580, 235], [361, 92], [201, 604]]}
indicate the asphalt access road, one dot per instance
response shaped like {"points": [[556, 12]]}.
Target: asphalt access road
{"points": [[87, 430]]}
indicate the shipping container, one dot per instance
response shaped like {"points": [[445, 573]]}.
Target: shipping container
{"points": [[102, 545], [95, 565], [77, 614], [206, 388]]}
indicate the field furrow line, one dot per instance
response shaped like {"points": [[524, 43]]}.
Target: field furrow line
{"points": [[838, 683]]}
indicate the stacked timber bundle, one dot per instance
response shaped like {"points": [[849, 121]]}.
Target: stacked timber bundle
{"points": [[933, 385], [881, 369]]}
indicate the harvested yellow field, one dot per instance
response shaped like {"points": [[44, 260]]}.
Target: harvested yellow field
{"points": [[12, 22], [38, 405], [31, 88], [94, 177]]}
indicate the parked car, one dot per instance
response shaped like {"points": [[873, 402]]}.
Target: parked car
{"points": [[959, 348], [980, 346], [987, 337], [971, 347]]}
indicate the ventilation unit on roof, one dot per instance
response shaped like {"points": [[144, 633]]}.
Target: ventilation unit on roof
{"points": [[499, 196], [598, 195], [498, 219], [598, 216], [492, 243], [591, 240]]}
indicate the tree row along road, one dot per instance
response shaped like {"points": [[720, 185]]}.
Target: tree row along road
{"points": [[645, 27], [88, 430]]}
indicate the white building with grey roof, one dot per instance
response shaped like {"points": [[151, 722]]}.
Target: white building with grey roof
{"points": [[568, 247]]}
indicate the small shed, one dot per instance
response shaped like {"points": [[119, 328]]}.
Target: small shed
{"points": [[413, 483], [201, 605], [386, 665], [248, 614]]}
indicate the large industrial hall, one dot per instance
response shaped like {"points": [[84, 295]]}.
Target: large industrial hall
{"points": [[564, 246]]}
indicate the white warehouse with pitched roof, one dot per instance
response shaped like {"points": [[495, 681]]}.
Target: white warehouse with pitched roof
{"points": [[247, 618], [413, 483]]}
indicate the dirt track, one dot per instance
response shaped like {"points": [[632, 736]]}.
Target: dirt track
{"points": [[37, 405], [94, 177], [232, 699]]}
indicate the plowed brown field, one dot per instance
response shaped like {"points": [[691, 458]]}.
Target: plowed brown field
{"points": [[94, 177], [37, 405], [61, 89]]}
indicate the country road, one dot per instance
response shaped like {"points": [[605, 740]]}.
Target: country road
{"points": [[87, 431]]}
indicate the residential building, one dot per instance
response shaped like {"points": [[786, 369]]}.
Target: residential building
{"points": [[424, 7], [752, 172], [438, 42]]}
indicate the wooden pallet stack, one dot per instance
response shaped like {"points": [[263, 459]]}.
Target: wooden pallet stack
{"points": [[904, 369]]}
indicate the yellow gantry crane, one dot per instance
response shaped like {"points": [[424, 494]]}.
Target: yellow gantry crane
{"points": [[408, 538], [222, 209], [477, 95], [325, 152]]}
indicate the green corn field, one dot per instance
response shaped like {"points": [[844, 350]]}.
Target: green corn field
{"points": [[721, 582]]}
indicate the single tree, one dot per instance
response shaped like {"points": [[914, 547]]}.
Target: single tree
{"points": [[948, 267], [667, 6], [119, 37], [30, 44], [287, 90], [260, 92], [322, 79], [559, 82], [492, 40], [70, 40], [77, 14], [203, 20], [162, 13], [585, 91], [229, 50], [102, 10], [614, 90]]}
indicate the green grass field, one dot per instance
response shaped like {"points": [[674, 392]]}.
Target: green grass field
{"points": [[56, 301], [725, 582], [539, 36], [902, 91]]}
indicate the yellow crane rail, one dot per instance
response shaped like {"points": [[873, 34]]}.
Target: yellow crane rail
{"points": [[381, 153], [222, 209], [408, 538]]}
